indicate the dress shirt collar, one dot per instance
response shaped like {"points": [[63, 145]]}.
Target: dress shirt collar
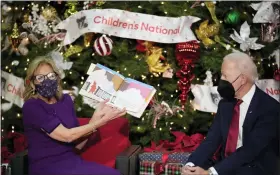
{"points": [[248, 97]]}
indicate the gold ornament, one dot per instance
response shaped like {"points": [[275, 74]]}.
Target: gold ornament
{"points": [[72, 9], [100, 3], [15, 37], [153, 60], [26, 18], [87, 39], [205, 31], [49, 13], [73, 50]]}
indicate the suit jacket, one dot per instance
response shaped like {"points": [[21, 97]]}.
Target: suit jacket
{"points": [[259, 154]]}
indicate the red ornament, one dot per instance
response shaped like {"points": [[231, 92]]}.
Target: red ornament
{"points": [[103, 45], [277, 75], [186, 54]]}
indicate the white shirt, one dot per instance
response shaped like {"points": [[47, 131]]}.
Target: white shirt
{"points": [[247, 98]]}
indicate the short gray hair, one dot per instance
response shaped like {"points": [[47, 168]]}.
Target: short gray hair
{"points": [[245, 64]]}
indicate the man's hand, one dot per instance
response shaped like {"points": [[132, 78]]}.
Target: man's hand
{"points": [[188, 170]]}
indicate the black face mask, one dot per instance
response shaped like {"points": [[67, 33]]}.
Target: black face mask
{"points": [[226, 90]]}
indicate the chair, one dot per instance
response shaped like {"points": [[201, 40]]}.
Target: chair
{"points": [[108, 142]]}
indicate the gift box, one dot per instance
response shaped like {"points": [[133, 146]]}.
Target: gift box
{"points": [[178, 157], [127, 162], [158, 168]]}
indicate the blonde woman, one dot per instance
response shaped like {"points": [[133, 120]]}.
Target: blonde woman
{"points": [[51, 125]]}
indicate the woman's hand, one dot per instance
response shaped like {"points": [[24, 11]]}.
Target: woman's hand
{"points": [[99, 112], [105, 113]]}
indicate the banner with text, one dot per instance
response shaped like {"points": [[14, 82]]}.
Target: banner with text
{"points": [[126, 24], [12, 88], [207, 97]]}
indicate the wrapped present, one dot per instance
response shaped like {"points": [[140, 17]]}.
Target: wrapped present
{"points": [[177, 157], [158, 168]]}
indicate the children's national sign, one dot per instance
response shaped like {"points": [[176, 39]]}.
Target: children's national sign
{"points": [[128, 25]]}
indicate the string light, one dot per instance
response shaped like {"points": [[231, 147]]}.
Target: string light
{"points": [[18, 114], [27, 60], [171, 95], [159, 94], [13, 127], [158, 85], [165, 12], [25, 68], [70, 72], [16, 8], [160, 129], [124, 69], [10, 70], [79, 54], [143, 119], [170, 128], [268, 65], [259, 62], [185, 10], [7, 67], [2, 130], [171, 123], [82, 82], [180, 115], [136, 56], [82, 78], [2, 118], [197, 79], [162, 2], [138, 127], [64, 82], [129, 75], [139, 6], [185, 128], [22, 8], [2, 97], [176, 91]]}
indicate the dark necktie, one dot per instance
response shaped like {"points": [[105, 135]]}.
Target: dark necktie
{"points": [[233, 130]]}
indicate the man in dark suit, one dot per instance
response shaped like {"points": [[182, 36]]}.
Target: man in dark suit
{"points": [[245, 129]]}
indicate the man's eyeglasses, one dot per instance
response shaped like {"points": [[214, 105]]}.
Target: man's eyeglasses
{"points": [[40, 78]]}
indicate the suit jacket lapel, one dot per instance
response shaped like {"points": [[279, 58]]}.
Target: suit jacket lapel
{"points": [[251, 115], [227, 112]]}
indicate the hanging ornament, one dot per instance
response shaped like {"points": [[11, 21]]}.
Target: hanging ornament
{"points": [[186, 54], [103, 45], [26, 18], [49, 13], [232, 17], [87, 39], [73, 50], [277, 74], [15, 37], [269, 32], [208, 80], [205, 31], [168, 73], [72, 8]]}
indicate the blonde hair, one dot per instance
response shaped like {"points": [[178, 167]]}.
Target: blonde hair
{"points": [[29, 91]]}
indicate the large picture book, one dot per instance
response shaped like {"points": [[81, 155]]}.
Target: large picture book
{"points": [[104, 83]]}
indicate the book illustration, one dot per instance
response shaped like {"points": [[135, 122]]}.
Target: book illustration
{"points": [[104, 83]]}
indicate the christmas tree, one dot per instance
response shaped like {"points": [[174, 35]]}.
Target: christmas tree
{"points": [[29, 29]]}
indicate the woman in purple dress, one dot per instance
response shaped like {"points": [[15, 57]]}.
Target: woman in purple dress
{"points": [[51, 126]]}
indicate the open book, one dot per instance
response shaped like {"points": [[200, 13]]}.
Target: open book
{"points": [[104, 83]]}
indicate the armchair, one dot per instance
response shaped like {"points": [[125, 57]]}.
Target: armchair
{"points": [[103, 146]]}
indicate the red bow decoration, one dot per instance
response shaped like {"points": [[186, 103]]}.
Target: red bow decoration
{"points": [[19, 142], [5, 155], [182, 143], [277, 75]]}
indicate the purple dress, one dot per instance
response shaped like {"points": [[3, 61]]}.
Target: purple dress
{"points": [[47, 156]]}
